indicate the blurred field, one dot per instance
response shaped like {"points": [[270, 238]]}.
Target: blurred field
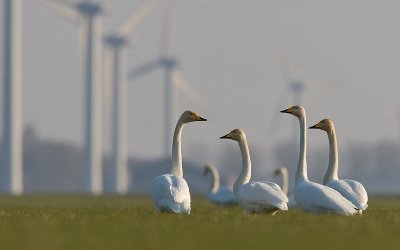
{"points": [[67, 222]]}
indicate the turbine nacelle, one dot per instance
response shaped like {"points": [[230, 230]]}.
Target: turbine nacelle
{"points": [[116, 41], [169, 62], [89, 8]]}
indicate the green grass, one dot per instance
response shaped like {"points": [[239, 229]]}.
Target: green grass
{"points": [[65, 222]]}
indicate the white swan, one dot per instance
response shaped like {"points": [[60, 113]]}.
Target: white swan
{"points": [[282, 171], [219, 195], [170, 192], [310, 196], [351, 190], [254, 196]]}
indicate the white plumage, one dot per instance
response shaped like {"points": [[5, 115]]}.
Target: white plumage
{"points": [[313, 197], [220, 195], [282, 171], [170, 192], [254, 197], [351, 190]]}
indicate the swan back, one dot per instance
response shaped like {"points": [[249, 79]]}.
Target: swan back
{"points": [[352, 191], [170, 193], [317, 199]]}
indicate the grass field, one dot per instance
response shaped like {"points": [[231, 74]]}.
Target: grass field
{"points": [[65, 222]]}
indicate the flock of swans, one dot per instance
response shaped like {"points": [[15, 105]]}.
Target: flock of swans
{"points": [[170, 192]]}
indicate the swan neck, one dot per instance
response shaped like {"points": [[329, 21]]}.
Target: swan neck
{"points": [[285, 182], [301, 173], [332, 172], [177, 150], [245, 174], [214, 181]]}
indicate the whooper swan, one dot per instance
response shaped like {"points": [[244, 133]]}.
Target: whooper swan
{"points": [[282, 171], [170, 192], [351, 190], [219, 195], [310, 196], [253, 196]]}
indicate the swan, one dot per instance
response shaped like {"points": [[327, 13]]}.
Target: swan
{"points": [[170, 192], [351, 190], [221, 196], [310, 196], [282, 171], [253, 196]]}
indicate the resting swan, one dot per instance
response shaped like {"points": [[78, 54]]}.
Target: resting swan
{"points": [[351, 190], [170, 192], [221, 196], [282, 171], [310, 196], [253, 196]]}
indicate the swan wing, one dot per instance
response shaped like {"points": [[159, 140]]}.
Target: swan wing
{"points": [[223, 197], [170, 193], [316, 198], [351, 190], [262, 194]]}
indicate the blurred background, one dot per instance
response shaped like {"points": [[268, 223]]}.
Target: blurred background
{"points": [[244, 61]]}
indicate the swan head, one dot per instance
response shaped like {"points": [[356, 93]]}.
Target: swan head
{"points": [[280, 171], [207, 169], [295, 110], [190, 116], [235, 135], [325, 124]]}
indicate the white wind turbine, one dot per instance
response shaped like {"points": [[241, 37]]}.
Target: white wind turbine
{"points": [[116, 45], [88, 13], [11, 170], [173, 77]]}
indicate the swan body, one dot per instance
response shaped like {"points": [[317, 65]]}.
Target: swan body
{"points": [[254, 197], [282, 171], [310, 196], [351, 190], [170, 192], [219, 195]]}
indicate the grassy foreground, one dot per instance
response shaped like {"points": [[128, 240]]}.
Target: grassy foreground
{"points": [[115, 223]]}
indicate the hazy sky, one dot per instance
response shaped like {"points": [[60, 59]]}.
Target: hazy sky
{"points": [[226, 51]]}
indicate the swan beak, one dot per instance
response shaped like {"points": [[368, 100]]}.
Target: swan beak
{"points": [[225, 137], [288, 111], [202, 119], [316, 126]]}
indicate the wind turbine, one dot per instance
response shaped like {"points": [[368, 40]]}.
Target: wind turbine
{"points": [[88, 13], [117, 43], [173, 77], [11, 169]]}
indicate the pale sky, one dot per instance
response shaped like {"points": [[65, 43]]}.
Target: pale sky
{"points": [[226, 51]]}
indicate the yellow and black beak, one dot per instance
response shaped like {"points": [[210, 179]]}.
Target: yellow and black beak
{"points": [[288, 111], [316, 126], [225, 137], [201, 119]]}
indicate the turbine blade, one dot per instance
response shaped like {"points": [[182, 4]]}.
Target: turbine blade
{"points": [[144, 69], [65, 9], [107, 86], [169, 27], [183, 86], [136, 17], [276, 117]]}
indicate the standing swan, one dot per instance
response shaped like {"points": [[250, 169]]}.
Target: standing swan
{"points": [[254, 196], [351, 190], [221, 196], [170, 192], [310, 196], [282, 171]]}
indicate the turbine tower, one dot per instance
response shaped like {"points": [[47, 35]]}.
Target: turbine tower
{"points": [[116, 44], [174, 79], [88, 14], [11, 170]]}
